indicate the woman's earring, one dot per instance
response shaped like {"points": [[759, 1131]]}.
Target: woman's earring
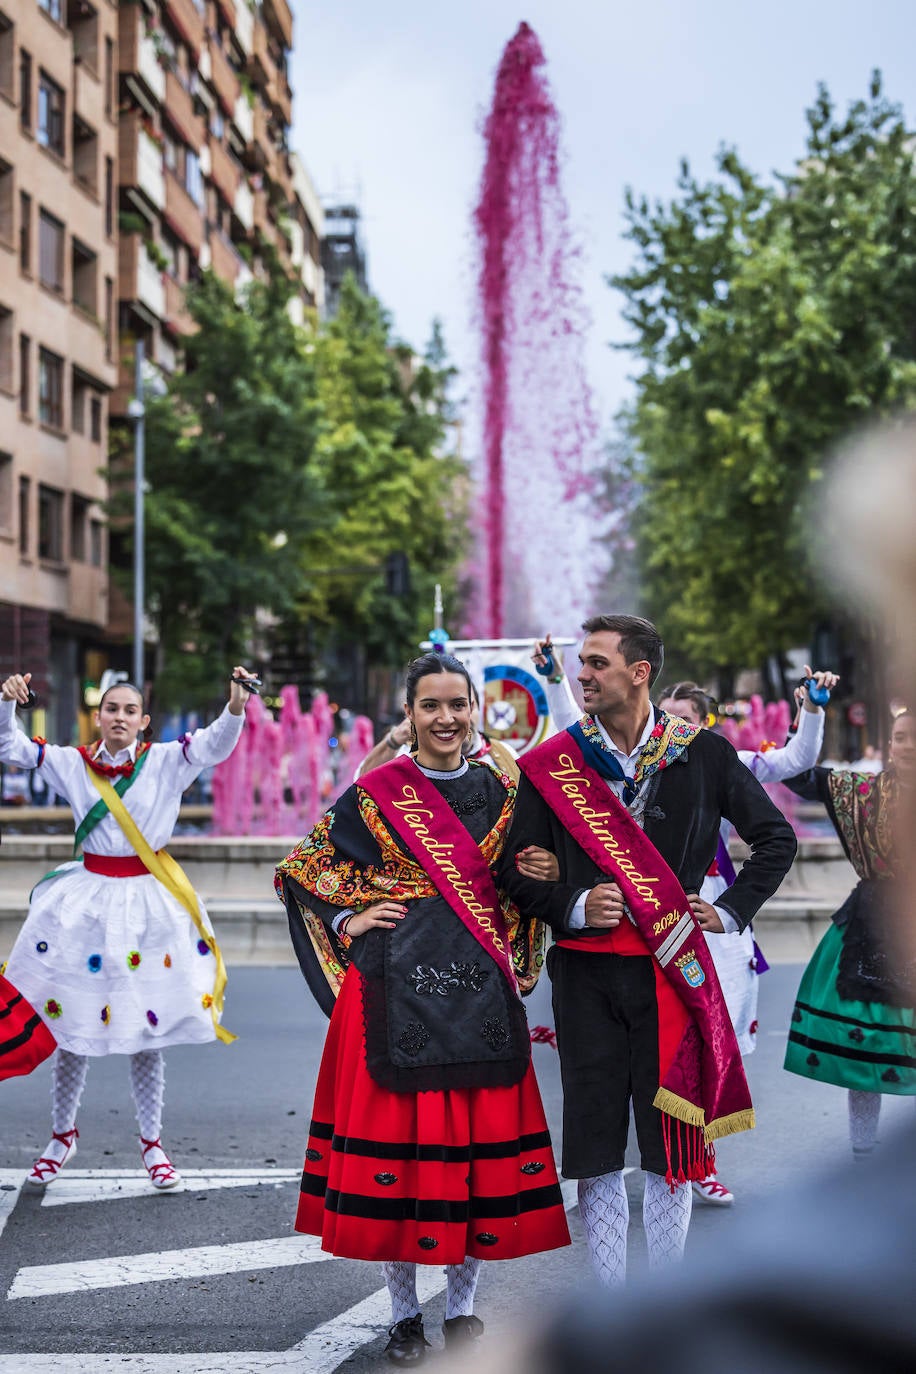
{"points": [[414, 742]]}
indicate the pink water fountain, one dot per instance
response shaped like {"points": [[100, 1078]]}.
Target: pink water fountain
{"points": [[765, 726], [540, 509], [286, 770]]}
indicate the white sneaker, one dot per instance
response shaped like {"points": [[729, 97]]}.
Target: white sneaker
{"points": [[711, 1190], [161, 1170], [60, 1150]]}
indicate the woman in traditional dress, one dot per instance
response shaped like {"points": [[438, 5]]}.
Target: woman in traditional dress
{"points": [[111, 957], [25, 1041], [428, 1142], [854, 1022]]}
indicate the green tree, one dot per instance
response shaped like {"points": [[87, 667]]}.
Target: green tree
{"points": [[392, 489], [231, 494], [770, 317]]}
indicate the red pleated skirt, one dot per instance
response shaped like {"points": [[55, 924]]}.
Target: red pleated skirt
{"points": [[428, 1177], [25, 1040]]}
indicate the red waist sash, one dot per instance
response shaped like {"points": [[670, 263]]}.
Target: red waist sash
{"points": [[410, 804], [702, 1080], [115, 865]]}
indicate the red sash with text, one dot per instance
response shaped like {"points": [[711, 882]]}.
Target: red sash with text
{"points": [[702, 1081], [445, 850]]}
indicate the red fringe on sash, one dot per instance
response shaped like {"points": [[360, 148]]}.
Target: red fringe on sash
{"points": [[692, 1147]]}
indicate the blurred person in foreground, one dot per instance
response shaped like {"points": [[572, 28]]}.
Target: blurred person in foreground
{"points": [[819, 1280]]}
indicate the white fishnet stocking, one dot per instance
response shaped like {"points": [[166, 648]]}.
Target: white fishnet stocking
{"points": [[67, 1083], [401, 1279], [460, 1287], [605, 1214], [864, 1111], [147, 1083], [666, 1217]]}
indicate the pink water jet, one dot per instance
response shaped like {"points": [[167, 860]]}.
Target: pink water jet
{"points": [[539, 427]]}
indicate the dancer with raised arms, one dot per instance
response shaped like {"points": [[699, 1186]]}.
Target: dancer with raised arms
{"points": [[117, 953]]}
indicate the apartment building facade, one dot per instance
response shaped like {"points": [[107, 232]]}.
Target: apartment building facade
{"points": [[58, 345], [205, 173]]}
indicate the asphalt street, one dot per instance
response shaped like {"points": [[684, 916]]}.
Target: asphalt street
{"points": [[102, 1273]]}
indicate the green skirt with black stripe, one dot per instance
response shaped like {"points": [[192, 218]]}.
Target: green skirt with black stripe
{"points": [[868, 1046]]}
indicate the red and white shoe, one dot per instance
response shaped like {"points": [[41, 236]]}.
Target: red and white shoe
{"points": [[161, 1170], [61, 1149], [711, 1190]]}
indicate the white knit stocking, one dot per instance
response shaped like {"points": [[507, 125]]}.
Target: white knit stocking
{"points": [[401, 1279], [460, 1287], [666, 1217], [605, 1214], [67, 1083], [864, 1111], [147, 1083]]}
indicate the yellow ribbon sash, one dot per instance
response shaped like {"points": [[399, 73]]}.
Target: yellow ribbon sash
{"points": [[173, 878]]}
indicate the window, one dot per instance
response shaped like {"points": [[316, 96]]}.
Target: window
{"points": [[109, 197], [6, 492], [96, 543], [54, 8], [25, 233], [78, 390], [50, 389], [85, 287], [217, 123], [109, 318], [79, 522], [25, 90], [109, 76], [50, 524], [6, 203], [25, 501], [6, 349], [95, 419], [51, 252], [51, 105], [7, 57], [86, 155], [193, 181], [25, 374], [170, 151]]}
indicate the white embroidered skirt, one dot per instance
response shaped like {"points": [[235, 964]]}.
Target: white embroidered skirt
{"points": [[114, 965]]}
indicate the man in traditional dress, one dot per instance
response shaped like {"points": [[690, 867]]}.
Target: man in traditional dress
{"points": [[630, 800]]}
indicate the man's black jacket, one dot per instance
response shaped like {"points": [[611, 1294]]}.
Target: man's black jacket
{"points": [[684, 804]]}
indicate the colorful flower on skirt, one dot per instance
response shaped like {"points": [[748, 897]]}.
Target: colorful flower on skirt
{"points": [[53, 1008], [167, 961], [206, 1000], [95, 962], [133, 959], [203, 947], [152, 1018], [106, 1015], [42, 946]]}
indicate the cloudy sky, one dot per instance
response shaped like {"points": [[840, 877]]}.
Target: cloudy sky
{"points": [[390, 98]]}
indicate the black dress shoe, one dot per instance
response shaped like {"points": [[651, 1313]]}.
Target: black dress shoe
{"points": [[461, 1330], [407, 1344]]}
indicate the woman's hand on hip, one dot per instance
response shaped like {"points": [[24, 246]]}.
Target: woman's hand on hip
{"points": [[382, 915]]}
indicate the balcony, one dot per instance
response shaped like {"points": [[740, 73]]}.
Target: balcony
{"points": [[225, 81], [243, 206], [137, 58], [283, 99], [139, 279], [140, 159], [180, 109], [183, 216], [244, 28], [87, 95], [87, 593], [223, 171], [243, 118], [176, 318], [188, 20], [228, 11], [261, 66], [278, 17], [224, 260]]}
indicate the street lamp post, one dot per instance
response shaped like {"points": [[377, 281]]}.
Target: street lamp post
{"points": [[137, 412]]}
